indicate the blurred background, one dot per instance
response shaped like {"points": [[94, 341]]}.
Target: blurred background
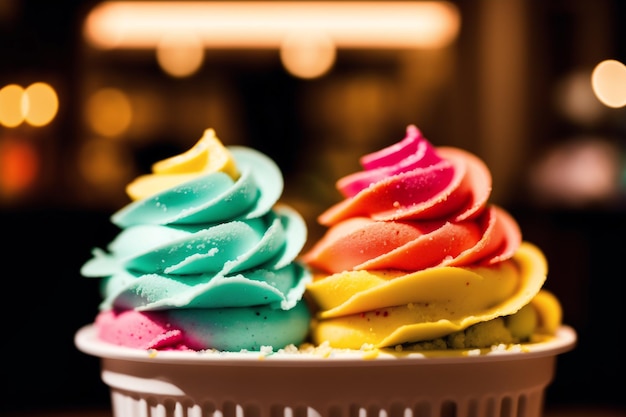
{"points": [[536, 88]]}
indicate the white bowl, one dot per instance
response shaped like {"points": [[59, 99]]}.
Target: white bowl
{"points": [[330, 383]]}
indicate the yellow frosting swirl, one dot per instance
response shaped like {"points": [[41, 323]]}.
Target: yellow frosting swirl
{"points": [[207, 155], [390, 308]]}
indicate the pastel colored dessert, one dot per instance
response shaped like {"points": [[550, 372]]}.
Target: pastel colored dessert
{"points": [[210, 309], [417, 257], [206, 258]]}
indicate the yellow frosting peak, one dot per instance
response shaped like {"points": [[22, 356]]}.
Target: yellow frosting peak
{"points": [[206, 156]]}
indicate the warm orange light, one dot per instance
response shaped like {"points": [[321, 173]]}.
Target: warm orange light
{"points": [[19, 166], [103, 164], [36, 105], [307, 55], [180, 55], [609, 83], [39, 104], [11, 113], [109, 112], [265, 24]]}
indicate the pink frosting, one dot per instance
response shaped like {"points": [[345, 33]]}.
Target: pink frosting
{"points": [[141, 330], [414, 207], [413, 152]]}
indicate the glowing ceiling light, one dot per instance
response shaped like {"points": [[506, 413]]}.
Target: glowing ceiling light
{"points": [[259, 24]]}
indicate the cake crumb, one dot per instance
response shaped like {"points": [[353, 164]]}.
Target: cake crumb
{"points": [[267, 350]]}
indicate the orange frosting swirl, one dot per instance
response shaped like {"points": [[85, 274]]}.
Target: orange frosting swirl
{"points": [[415, 206]]}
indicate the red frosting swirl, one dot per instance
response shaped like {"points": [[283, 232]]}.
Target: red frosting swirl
{"points": [[413, 207]]}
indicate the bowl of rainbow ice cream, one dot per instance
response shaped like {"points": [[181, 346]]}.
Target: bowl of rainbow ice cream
{"points": [[421, 300]]}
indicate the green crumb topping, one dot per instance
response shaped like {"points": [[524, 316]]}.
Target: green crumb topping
{"points": [[517, 328]]}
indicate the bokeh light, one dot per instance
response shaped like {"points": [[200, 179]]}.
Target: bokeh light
{"points": [[104, 164], [609, 83], [36, 105], [109, 112], [578, 173], [39, 104], [308, 54], [19, 167], [180, 55], [264, 24], [11, 113], [575, 99]]}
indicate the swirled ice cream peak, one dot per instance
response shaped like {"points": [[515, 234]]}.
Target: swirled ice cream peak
{"points": [[412, 152], [415, 206], [207, 184], [208, 155], [415, 252], [412, 180], [206, 257]]}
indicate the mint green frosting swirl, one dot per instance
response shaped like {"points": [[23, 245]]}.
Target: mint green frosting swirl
{"points": [[210, 243], [213, 197]]}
